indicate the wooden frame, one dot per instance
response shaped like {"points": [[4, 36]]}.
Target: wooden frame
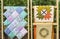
{"points": [[2, 17], [57, 23], [57, 19]]}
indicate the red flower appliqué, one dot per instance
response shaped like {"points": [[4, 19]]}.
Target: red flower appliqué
{"points": [[47, 16]]}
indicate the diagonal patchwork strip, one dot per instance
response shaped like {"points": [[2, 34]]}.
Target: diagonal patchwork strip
{"points": [[15, 22], [8, 12], [21, 34], [10, 19], [12, 16], [15, 31], [11, 9]]}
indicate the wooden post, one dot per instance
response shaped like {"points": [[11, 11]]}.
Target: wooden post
{"points": [[31, 19], [2, 17], [28, 18], [57, 1]]}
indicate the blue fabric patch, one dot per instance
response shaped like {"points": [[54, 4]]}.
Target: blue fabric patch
{"points": [[7, 31], [7, 14], [11, 27], [19, 10]]}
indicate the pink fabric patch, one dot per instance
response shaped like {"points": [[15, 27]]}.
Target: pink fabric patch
{"points": [[14, 14], [10, 18], [23, 31]]}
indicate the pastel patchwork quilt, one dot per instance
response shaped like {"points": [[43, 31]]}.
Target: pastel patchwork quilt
{"points": [[15, 21]]}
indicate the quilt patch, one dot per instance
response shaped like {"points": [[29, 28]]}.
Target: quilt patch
{"points": [[43, 13]]}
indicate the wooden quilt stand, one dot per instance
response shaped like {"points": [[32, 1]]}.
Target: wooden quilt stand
{"points": [[57, 22], [52, 37], [37, 23]]}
